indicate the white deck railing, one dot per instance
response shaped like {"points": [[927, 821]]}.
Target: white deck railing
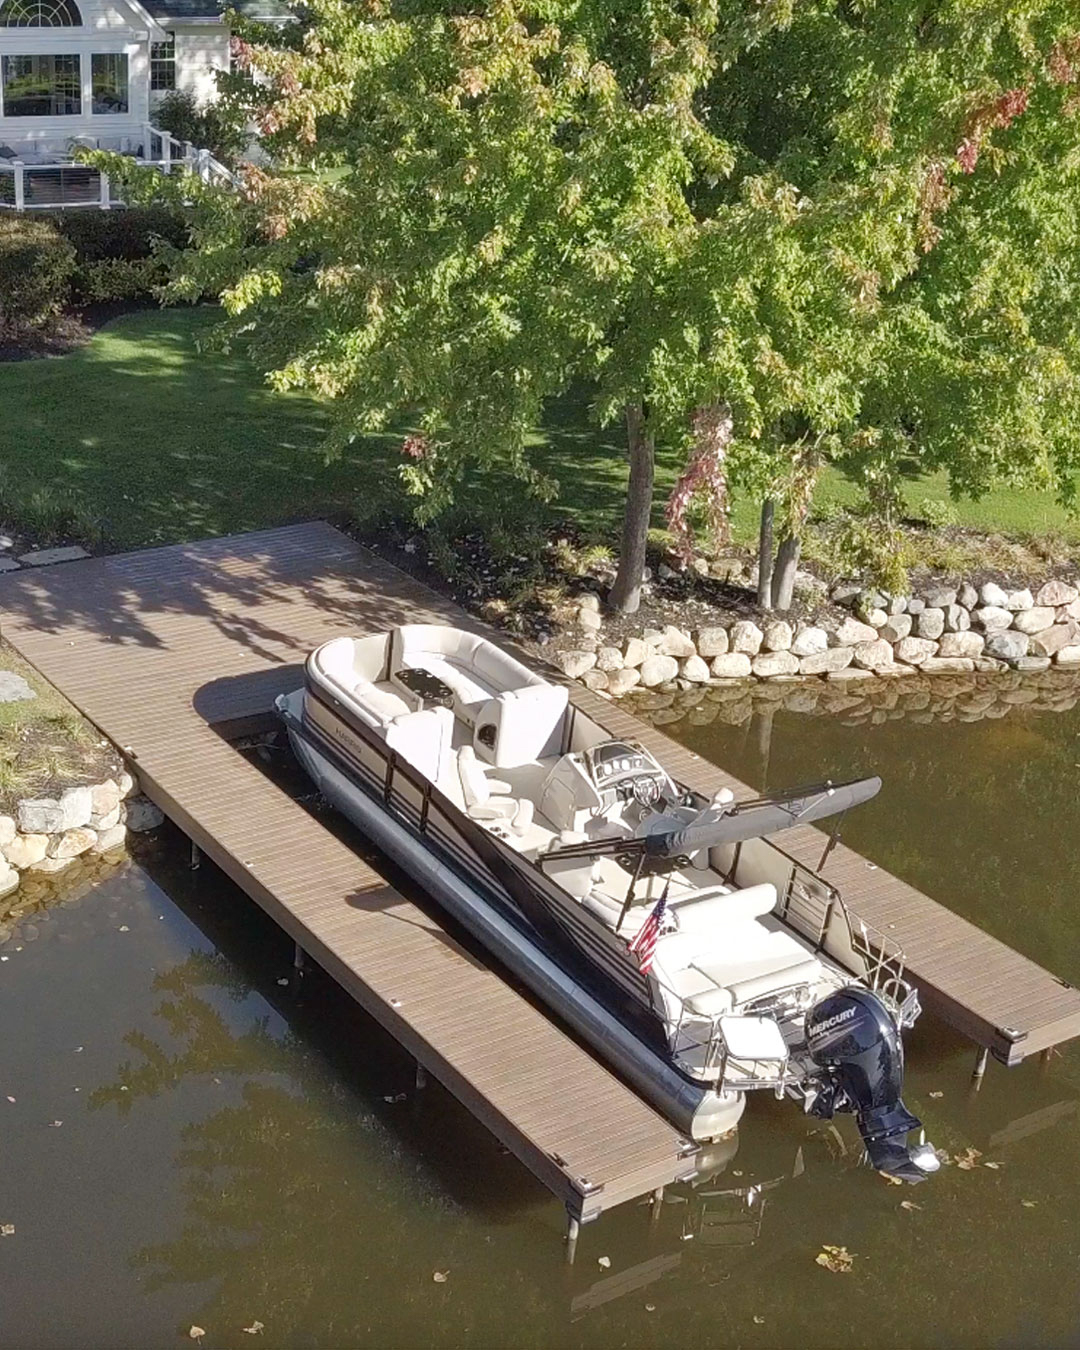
{"points": [[33, 184]]}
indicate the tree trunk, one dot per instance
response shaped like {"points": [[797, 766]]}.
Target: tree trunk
{"points": [[787, 564], [765, 558], [626, 593]]}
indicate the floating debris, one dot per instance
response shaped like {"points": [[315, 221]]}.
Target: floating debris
{"points": [[937, 1094], [252, 1330], [909, 1204], [1029, 1204], [604, 1262], [196, 1333], [55, 1124], [966, 1161], [837, 1259], [440, 1276], [7, 1230]]}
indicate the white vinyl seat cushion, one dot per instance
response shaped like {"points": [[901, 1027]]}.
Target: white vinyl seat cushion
{"points": [[753, 1038], [751, 961], [381, 702], [481, 793]]}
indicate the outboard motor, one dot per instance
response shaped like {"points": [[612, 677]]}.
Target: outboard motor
{"points": [[853, 1038]]}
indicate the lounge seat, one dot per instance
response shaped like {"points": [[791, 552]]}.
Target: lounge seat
{"points": [[485, 798]]}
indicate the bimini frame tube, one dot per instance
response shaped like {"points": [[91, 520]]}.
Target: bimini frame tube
{"points": [[694, 1108]]}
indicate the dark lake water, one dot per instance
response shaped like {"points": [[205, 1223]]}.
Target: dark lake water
{"points": [[195, 1143]]}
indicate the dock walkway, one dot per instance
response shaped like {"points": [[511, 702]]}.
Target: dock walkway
{"points": [[170, 651]]}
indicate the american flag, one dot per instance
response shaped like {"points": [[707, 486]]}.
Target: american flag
{"points": [[648, 935]]}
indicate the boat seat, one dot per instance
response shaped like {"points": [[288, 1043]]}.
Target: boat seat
{"points": [[485, 798], [381, 702], [750, 961], [425, 739]]}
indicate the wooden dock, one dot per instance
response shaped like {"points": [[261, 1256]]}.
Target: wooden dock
{"points": [[170, 651]]}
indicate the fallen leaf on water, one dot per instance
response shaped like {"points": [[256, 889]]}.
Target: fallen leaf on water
{"points": [[283, 981], [966, 1161], [909, 1204], [7, 1230], [993, 1166], [55, 1124], [759, 1320], [124, 928], [441, 1276], [11, 1099], [1029, 1204], [604, 1261], [837, 1259], [890, 1180], [395, 1097], [196, 1333], [937, 1094], [252, 1330], [650, 1307]]}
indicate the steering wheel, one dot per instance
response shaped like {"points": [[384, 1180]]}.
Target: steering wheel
{"points": [[646, 790]]}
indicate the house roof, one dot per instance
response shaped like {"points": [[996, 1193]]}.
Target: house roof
{"points": [[184, 11]]}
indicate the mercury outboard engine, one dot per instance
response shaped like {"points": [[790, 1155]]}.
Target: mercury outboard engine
{"points": [[853, 1038]]}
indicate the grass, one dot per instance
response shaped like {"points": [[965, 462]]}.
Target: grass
{"points": [[44, 743], [139, 439]]}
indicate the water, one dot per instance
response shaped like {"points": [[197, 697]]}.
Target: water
{"points": [[227, 1155]]}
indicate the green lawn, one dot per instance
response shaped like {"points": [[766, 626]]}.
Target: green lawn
{"points": [[157, 442]]}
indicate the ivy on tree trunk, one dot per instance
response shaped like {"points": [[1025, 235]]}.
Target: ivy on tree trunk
{"points": [[626, 592]]}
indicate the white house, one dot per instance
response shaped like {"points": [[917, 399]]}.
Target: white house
{"points": [[88, 72]]}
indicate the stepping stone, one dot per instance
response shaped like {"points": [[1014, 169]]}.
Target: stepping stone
{"points": [[8, 565], [13, 688], [43, 557]]}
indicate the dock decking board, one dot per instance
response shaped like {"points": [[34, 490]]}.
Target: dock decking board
{"points": [[160, 647]]}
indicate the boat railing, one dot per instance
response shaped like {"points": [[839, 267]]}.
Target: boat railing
{"points": [[808, 902]]}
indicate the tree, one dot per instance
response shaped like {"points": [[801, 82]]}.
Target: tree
{"points": [[751, 227]]}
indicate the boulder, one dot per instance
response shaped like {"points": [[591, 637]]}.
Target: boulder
{"points": [[1018, 600], [712, 642], [105, 822], [1071, 611], [849, 675], [967, 596], [107, 840], [992, 594], [50, 865], [851, 632], [634, 652], [1068, 656], [658, 669], [896, 628], [590, 620], [127, 784], [71, 843], [941, 665], [609, 658], [746, 637], [967, 645], [876, 617], [993, 618], [574, 662], [652, 637], [957, 619], [1009, 646], [77, 806], [695, 670], [1034, 620], [939, 597], [596, 680], [141, 815], [871, 655], [897, 605], [913, 651], [868, 600], [1057, 593], [822, 663], [809, 640], [676, 643], [844, 592], [45, 557], [1050, 641], [9, 879], [731, 666], [1029, 665], [989, 663], [39, 815], [13, 688], [930, 624], [104, 797], [778, 636], [768, 664], [7, 830], [588, 600], [915, 605], [26, 849]]}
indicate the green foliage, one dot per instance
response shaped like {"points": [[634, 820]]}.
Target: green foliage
{"points": [[125, 235], [36, 267], [120, 279], [937, 513], [207, 126]]}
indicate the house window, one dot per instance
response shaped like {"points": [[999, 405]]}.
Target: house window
{"points": [[109, 80], [163, 63], [42, 86], [39, 14]]}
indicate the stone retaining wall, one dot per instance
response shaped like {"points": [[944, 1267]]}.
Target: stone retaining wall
{"points": [[942, 630], [47, 834]]}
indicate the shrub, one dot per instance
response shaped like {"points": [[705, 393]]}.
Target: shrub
{"points": [[208, 127], [937, 513], [36, 267], [125, 235]]}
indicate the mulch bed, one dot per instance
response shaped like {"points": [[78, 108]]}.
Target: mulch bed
{"points": [[67, 333]]}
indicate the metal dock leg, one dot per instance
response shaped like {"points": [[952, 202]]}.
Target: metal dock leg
{"points": [[196, 856], [421, 1077], [657, 1208], [573, 1232], [299, 960], [981, 1056]]}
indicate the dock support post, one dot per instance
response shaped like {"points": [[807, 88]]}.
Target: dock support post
{"points": [[196, 856], [299, 960], [657, 1207], [421, 1077], [573, 1232], [981, 1056]]}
